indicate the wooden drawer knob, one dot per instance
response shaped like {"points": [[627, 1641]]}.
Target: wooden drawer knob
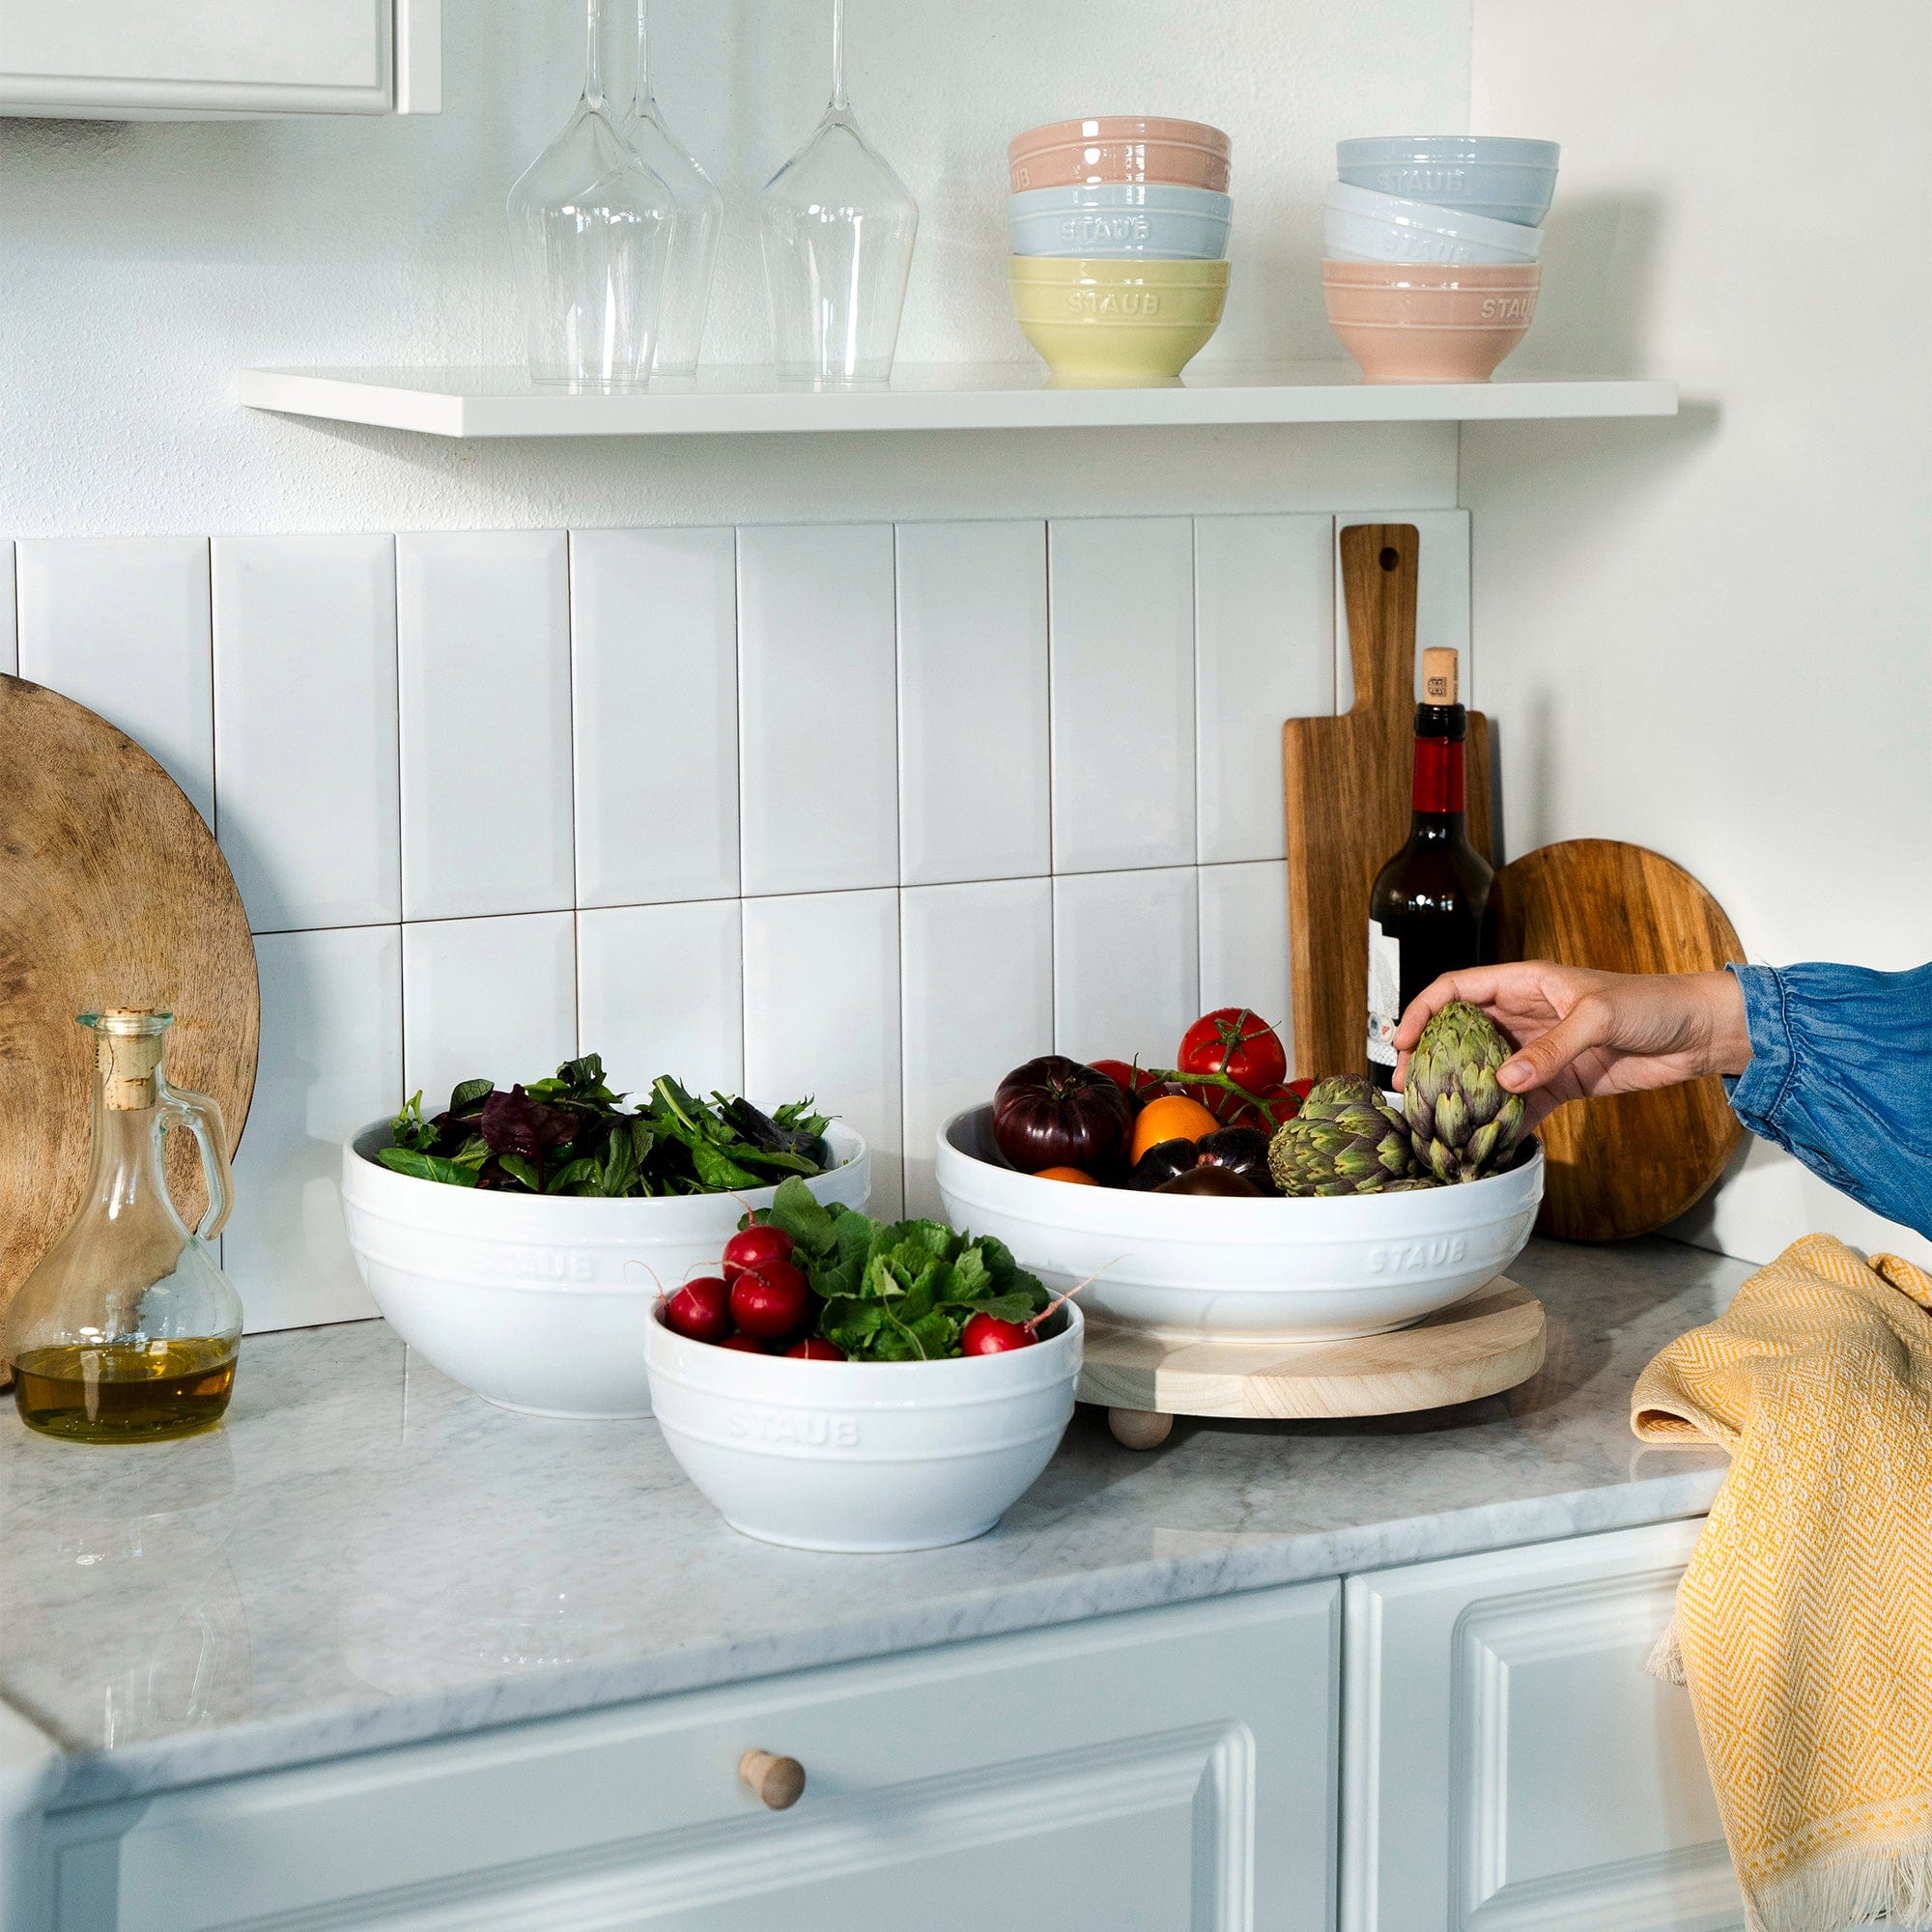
{"points": [[778, 1782]]}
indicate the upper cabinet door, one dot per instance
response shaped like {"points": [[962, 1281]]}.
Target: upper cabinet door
{"points": [[157, 59]]}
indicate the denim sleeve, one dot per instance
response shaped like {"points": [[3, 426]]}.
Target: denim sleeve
{"points": [[1841, 1075]]}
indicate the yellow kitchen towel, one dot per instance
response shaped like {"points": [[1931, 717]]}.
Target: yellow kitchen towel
{"points": [[1805, 1619]]}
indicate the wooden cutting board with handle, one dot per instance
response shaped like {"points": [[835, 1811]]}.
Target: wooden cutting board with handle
{"points": [[112, 892], [1629, 1163], [1348, 793]]}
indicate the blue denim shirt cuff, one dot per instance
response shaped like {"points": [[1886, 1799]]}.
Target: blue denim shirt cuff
{"points": [[1758, 1092]]}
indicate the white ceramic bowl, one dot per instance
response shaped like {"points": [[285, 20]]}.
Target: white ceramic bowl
{"points": [[1506, 178], [542, 1303], [1360, 225], [1185, 1265], [863, 1455], [1114, 219]]}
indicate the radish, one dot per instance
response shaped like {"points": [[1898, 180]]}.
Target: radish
{"points": [[748, 1345], [754, 1247], [814, 1349], [770, 1302], [988, 1335], [700, 1310]]}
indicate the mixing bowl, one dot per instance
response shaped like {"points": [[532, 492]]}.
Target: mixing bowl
{"points": [[1120, 147], [1360, 225], [1193, 1266], [1505, 179], [1419, 323], [1119, 218], [1117, 320]]}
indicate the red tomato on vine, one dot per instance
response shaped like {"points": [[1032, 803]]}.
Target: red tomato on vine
{"points": [[1238, 1042]]}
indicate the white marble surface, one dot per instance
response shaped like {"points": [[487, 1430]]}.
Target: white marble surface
{"points": [[367, 1555]]}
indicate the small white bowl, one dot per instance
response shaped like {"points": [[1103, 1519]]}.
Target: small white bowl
{"points": [[541, 1304], [1360, 225], [1117, 220], [863, 1457], [1197, 1266]]}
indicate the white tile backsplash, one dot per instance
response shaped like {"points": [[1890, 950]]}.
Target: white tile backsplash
{"points": [[123, 628], [1122, 665], [483, 643], [1126, 964], [493, 998], [1265, 651], [977, 979], [660, 990], [822, 1015], [654, 619], [991, 788], [973, 702], [818, 772], [306, 762], [331, 1061]]}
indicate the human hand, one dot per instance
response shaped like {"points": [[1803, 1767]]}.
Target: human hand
{"points": [[1579, 1033]]}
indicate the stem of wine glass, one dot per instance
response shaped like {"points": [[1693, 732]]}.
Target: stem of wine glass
{"points": [[593, 54], [838, 53], [643, 63]]}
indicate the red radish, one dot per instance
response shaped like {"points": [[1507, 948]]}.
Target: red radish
{"points": [[754, 1247], [770, 1302], [988, 1335], [746, 1344], [814, 1349], [700, 1310]]}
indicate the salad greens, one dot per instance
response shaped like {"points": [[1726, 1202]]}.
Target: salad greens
{"points": [[897, 1291], [571, 1134]]}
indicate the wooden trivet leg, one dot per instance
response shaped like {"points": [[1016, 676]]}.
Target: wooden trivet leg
{"points": [[1139, 1428]]}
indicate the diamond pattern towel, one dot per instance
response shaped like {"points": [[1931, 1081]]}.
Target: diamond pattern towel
{"points": [[1805, 1620]]}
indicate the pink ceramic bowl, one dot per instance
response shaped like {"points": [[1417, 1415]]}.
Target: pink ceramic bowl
{"points": [[1411, 323], [1120, 147]]}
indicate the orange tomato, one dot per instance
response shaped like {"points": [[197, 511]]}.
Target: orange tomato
{"points": [[1172, 1117], [1075, 1175]]}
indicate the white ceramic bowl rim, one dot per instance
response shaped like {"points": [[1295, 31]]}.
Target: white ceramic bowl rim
{"points": [[1498, 151], [1367, 203], [1235, 1222]]}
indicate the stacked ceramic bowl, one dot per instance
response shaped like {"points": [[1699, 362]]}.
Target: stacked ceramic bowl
{"points": [[1431, 244], [1119, 228]]}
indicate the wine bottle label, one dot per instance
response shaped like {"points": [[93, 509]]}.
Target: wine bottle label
{"points": [[1384, 994]]}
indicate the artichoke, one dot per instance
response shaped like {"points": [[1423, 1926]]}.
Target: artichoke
{"points": [[1328, 1099], [1465, 1124], [1355, 1148]]}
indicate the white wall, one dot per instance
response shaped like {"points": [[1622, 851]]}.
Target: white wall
{"points": [[141, 263], [1714, 636]]}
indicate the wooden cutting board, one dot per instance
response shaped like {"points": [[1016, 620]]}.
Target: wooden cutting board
{"points": [[112, 892], [1626, 1164], [1492, 1340], [1347, 792]]}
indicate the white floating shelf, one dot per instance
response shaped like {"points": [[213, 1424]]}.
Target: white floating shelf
{"points": [[992, 395]]}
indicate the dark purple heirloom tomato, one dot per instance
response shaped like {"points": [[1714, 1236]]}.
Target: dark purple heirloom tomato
{"points": [[1054, 1112]]}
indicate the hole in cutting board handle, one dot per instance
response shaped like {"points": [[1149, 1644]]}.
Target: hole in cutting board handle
{"points": [[1390, 557]]}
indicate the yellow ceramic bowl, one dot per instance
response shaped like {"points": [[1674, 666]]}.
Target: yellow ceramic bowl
{"points": [[1134, 321]]}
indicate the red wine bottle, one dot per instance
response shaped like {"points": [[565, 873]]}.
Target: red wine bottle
{"points": [[1428, 911]]}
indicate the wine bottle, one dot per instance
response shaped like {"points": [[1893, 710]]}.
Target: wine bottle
{"points": [[1428, 911]]}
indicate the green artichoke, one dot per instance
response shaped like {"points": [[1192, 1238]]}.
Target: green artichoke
{"points": [[1465, 1124], [1351, 1148], [1328, 1099]]}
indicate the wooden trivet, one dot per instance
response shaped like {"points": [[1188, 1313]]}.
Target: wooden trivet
{"points": [[1492, 1340]]}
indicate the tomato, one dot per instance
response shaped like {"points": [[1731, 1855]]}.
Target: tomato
{"points": [[1135, 1082], [1173, 1116], [1235, 1042], [1073, 1174], [1227, 1107]]}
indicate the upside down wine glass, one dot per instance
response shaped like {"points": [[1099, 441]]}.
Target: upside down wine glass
{"points": [[838, 227], [591, 226]]}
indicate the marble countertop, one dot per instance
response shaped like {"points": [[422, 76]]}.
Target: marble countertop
{"points": [[367, 1555]]}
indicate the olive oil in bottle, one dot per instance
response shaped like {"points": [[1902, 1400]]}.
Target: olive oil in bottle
{"points": [[126, 1392], [1428, 911]]}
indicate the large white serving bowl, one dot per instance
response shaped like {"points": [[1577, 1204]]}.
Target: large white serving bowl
{"points": [[541, 1304], [1199, 1266], [863, 1457]]}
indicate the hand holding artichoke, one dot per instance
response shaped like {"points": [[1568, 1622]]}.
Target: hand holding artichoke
{"points": [[1464, 1123]]}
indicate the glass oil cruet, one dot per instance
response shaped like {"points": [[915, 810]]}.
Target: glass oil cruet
{"points": [[127, 1331]]}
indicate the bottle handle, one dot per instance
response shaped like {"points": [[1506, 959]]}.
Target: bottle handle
{"points": [[201, 1115]]}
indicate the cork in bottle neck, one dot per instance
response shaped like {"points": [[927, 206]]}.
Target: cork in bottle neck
{"points": [[128, 1042], [1438, 675]]}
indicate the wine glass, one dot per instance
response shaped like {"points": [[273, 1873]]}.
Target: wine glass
{"points": [[686, 293], [590, 224], [838, 227]]}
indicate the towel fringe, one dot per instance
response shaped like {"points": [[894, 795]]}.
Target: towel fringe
{"points": [[1667, 1657], [1893, 1887]]}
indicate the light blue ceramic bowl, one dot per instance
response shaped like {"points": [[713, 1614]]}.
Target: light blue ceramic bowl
{"points": [[1113, 221], [1475, 174]]}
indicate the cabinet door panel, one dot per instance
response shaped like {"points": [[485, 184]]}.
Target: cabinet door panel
{"points": [[1165, 1772], [1508, 1766]]}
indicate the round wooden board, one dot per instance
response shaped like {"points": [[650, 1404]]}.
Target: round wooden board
{"points": [[112, 892], [1491, 1341], [1629, 1163]]}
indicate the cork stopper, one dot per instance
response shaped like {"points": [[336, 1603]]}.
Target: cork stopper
{"points": [[128, 1044], [1438, 675]]}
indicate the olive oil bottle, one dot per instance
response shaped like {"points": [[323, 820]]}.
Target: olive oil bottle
{"points": [[128, 1330]]}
